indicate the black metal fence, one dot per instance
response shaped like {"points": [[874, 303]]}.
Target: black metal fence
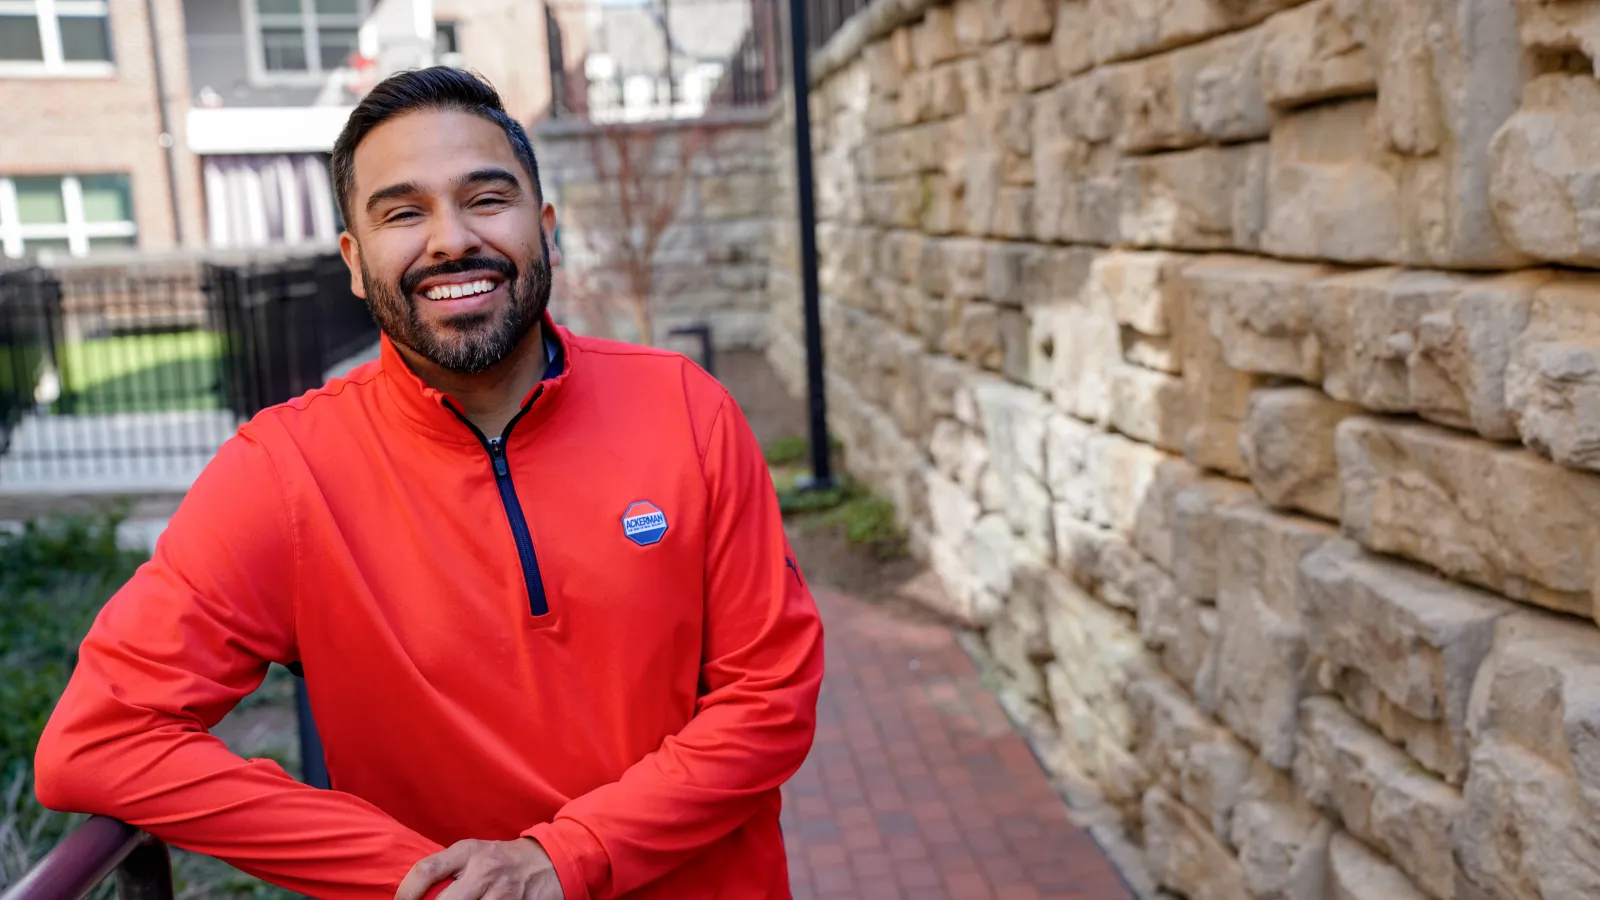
{"points": [[661, 58], [824, 18], [141, 371]]}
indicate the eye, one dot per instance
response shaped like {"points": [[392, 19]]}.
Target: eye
{"points": [[402, 215], [488, 201]]}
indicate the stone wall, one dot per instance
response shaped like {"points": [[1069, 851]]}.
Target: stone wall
{"points": [[1217, 357], [712, 265]]}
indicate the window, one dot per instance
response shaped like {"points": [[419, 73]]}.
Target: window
{"points": [[55, 36], [306, 37], [446, 48], [68, 214]]}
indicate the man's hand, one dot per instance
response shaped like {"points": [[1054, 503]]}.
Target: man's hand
{"points": [[486, 870]]}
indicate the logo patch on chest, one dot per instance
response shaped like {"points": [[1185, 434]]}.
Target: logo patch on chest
{"points": [[644, 523]]}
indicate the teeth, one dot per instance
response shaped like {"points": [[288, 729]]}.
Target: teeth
{"points": [[457, 291]]}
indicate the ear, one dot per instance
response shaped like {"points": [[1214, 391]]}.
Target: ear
{"points": [[351, 251], [547, 221]]}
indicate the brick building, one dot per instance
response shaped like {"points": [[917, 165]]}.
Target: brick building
{"points": [[225, 144], [92, 148]]}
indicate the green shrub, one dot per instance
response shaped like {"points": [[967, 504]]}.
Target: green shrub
{"points": [[787, 450], [54, 578]]}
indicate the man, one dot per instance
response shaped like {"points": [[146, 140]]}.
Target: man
{"points": [[553, 635]]}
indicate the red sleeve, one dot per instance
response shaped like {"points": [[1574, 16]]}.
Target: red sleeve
{"points": [[173, 651], [754, 723]]}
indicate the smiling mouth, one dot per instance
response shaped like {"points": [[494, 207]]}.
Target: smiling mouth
{"points": [[458, 291]]}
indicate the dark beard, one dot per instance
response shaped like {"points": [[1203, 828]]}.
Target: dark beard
{"points": [[472, 342]]}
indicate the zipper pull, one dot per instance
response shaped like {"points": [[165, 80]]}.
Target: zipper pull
{"points": [[497, 452]]}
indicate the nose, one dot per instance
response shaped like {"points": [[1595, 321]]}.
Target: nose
{"points": [[450, 236]]}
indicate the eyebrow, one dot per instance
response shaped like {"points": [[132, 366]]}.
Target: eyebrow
{"points": [[489, 175]]}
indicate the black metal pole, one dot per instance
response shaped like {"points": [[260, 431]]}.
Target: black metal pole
{"points": [[816, 388]]}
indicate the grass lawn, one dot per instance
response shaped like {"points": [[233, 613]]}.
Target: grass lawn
{"points": [[54, 578], [143, 373]]}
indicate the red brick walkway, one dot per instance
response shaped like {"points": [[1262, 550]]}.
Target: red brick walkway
{"points": [[918, 787]]}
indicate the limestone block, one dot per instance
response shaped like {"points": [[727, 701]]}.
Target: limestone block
{"points": [[1219, 395], [1028, 20], [1550, 29], [1287, 444], [1257, 309], [1036, 67], [976, 25], [1008, 646], [1356, 873], [974, 334], [1378, 794], [1097, 654], [1552, 380], [1016, 347], [1148, 406], [1450, 75], [933, 38], [995, 552], [1124, 473], [947, 445], [1416, 639], [1013, 214], [1073, 37], [1000, 69], [1184, 855], [1145, 288], [1191, 756], [1526, 833], [1313, 53], [974, 464], [1335, 193], [1263, 668], [1366, 324], [1160, 354], [1014, 420], [1086, 348], [1124, 29], [1464, 371], [1196, 531], [1210, 198], [1032, 592], [1494, 516], [1537, 690], [1066, 461], [1078, 192], [1201, 94], [1124, 577], [1283, 846], [1089, 106], [944, 382], [1054, 275], [1180, 630], [1154, 531]]}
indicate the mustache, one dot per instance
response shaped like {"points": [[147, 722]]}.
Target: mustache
{"points": [[409, 282]]}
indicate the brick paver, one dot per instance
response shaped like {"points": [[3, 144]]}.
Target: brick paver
{"points": [[918, 786]]}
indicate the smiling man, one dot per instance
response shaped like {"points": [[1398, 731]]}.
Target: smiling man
{"points": [[553, 635]]}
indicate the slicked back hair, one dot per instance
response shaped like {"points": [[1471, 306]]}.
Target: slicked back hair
{"points": [[439, 88]]}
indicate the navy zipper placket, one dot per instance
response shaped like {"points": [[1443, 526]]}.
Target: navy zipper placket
{"points": [[538, 604]]}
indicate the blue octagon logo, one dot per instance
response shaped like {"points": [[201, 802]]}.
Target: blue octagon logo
{"points": [[644, 523]]}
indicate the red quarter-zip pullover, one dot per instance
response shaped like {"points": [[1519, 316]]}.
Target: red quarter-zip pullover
{"points": [[593, 634]]}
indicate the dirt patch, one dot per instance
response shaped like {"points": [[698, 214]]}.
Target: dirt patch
{"points": [[900, 584], [772, 413]]}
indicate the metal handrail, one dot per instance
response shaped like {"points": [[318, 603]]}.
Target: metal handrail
{"points": [[93, 851]]}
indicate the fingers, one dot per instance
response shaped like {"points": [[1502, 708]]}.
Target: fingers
{"points": [[431, 870], [493, 872]]}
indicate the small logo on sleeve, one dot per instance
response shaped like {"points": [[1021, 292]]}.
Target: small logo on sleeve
{"points": [[644, 523]]}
